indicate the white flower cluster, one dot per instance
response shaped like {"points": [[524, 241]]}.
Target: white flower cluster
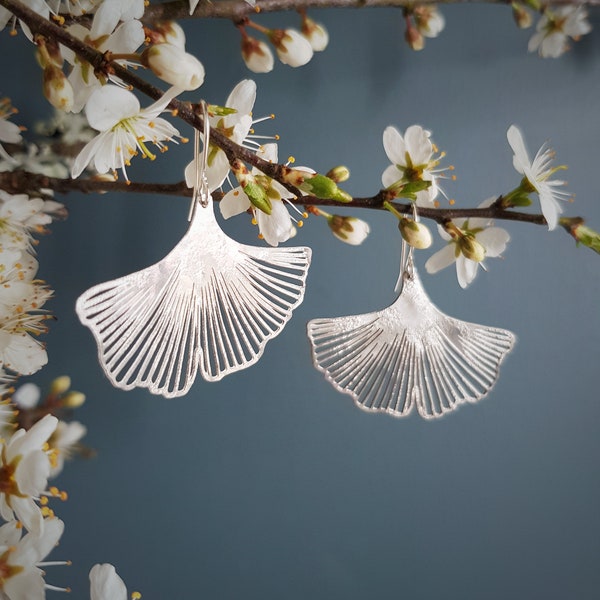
{"points": [[556, 27], [23, 295], [294, 48], [116, 29], [26, 462], [412, 175]]}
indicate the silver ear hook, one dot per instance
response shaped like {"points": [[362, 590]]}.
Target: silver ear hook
{"points": [[407, 267], [201, 192]]}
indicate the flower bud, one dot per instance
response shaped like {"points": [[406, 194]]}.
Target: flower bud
{"points": [[322, 186], [414, 38], [167, 32], [471, 248], [415, 234], [73, 400], [350, 230], [257, 55], [339, 174], [60, 385], [315, 33], [57, 88], [292, 47], [27, 396], [582, 233], [174, 65], [429, 21], [521, 16]]}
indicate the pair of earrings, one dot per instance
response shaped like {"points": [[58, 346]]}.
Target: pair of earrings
{"points": [[212, 304]]}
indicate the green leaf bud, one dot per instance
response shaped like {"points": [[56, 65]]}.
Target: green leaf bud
{"points": [[258, 196]]}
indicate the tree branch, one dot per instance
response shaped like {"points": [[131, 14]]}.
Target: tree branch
{"points": [[22, 182], [238, 10]]}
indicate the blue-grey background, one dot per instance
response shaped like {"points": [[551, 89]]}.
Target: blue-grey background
{"points": [[270, 484]]}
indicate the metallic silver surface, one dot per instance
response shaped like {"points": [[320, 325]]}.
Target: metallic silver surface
{"points": [[212, 304], [409, 354]]}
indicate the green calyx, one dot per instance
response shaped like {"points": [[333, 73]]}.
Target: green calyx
{"points": [[258, 197], [519, 196], [409, 189], [220, 111]]}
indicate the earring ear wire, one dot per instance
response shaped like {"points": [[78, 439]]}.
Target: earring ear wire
{"points": [[201, 191]]}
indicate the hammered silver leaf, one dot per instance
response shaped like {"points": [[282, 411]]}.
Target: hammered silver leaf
{"points": [[212, 304], [409, 354]]}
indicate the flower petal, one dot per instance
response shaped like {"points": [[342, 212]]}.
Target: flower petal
{"points": [[494, 240], [242, 98], [551, 208], [276, 227], [10, 534], [234, 203], [515, 139], [441, 259], [391, 175], [394, 147], [418, 144], [127, 38], [105, 584], [26, 585], [108, 105], [466, 269]]}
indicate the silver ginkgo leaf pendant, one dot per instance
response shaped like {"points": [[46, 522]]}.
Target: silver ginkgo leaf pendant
{"points": [[211, 305], [409, 354]]}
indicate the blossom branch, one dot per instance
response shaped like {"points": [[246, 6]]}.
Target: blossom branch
{"points": [[189, 113], [239, 10], [102, 62], [16, 182]]}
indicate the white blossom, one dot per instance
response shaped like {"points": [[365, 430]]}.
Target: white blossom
{"points": [[21, 216], [537, 174], [20, 316], [413, 164], [470, 242], [9, 132], [21, 559], [124, 129], [24, 471], [555, 27], [38, 6], [235, 126], [37, 160], [276, 227], [104, 35], [64, 442]]}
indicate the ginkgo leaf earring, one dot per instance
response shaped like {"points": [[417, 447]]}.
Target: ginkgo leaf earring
{"points": [[409, 354], [211, 305]]}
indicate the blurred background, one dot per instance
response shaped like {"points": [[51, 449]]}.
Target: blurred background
{"points": [[270, 484]]}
